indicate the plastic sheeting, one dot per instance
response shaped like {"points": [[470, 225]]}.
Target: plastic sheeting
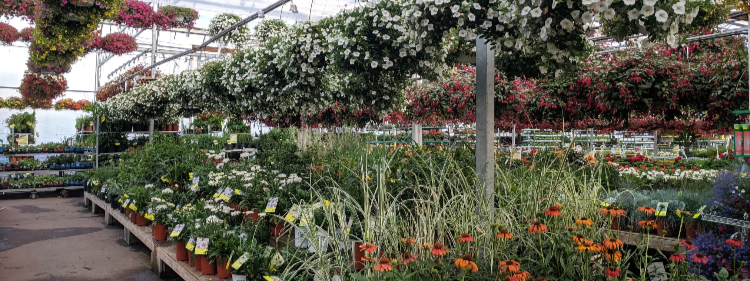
{"points": [[308, 9]]}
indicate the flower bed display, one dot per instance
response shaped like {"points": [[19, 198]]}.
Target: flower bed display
{"points": [[38, 90], [8, 33], [70, 104]]}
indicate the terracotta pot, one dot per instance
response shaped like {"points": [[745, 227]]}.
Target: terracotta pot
{"points": [[690, 231], [133, 216], [277, 229], [190, 258], [197, 260], [661, 226], [235, 206], [207, 268], [140, 220], [358, 256], [160, 233], [255, 216], [615, 223], [181, 252], [175, 127], [221, 268]]}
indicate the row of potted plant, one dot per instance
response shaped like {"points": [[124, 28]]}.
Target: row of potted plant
{"points": [[43, 181]]}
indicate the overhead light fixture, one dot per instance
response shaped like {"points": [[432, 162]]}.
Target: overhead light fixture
{"points": [[293, 8]]}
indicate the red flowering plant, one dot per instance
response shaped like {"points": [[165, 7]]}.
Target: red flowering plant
{"points": [[70, 104], [116, 86], [118, 43], [8, 33], [17, 8], [136, 14], [450, 99], [338, 115], [25, 34], [38, 90], [179, 17]]}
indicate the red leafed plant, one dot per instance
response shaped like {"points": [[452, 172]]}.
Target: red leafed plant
{"points": [[8, 33], [118, 43], [38, 90]]}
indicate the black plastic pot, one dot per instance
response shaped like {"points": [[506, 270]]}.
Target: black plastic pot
{"points": [[112, 149], [113, 202], [228, 147]]}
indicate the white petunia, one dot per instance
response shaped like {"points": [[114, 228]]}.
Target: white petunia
{"points": [[455, 8], [543, 69], [587, 17], [477, 6], [566, 24], [661, 15], [629, 2], [462, 33], [433, 10], [672, 41], [536, 12], [460, 22], [386, 37], [679, 8], [649, 2], [548, 22], [472, 17], [575, 14], [647, 10], [543, 34], [525, 10], [374, 64], [609, 14], [633, 14]]}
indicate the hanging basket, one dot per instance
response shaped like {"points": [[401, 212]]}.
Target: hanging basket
{"points": [[73, 17], [82, 3]]}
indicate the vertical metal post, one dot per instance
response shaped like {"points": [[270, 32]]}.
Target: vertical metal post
{"points": [[513, 139], [97, 132], [485, 97], [591, 139], [656, 142], [150, 130], [153, 48], [416, 133]]}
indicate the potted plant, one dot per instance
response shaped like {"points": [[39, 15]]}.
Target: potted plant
{"points": [[178, 17], [38, 90]]}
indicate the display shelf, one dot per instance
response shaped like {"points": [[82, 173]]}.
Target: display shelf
{"points": [[41, 189], [656, 242], [42, 171]]}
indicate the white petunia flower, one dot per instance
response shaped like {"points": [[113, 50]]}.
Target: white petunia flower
{"points": [[647, 10], [386, 37], [548, 22], [356, 54], [455, 8], [374, 64], [543, 69], [575, 14], [587, 17], [649, 2], [536, 12], [609, 14], [679, 8], [661, 15], [629, 2], [633, 14], [433, 10], [525, 10], [566, 24], [472, 17], [477, 6], [167, 191], [672, 41]]}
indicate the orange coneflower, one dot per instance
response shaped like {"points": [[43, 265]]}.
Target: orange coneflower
{"points": [[553, 211], [367, 259], [408, 241], [588, 246], [612, 243], [522, 276], [647, 224], [438, 250], [583, 221], [409, 257], [617, 212], [369, 248], [647, 210], [614, 256], [580, 239], [466, 263], [384, 265], [537, 227], [425, 246], [607, 211], [504, 234], [509, 266], [465, 237]]}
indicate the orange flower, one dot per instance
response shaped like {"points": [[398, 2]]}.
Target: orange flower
{"points": [[612, 243], [647, 210], [425, 246], [588, 246], [409, 257], [579, 239], [554, 211], [647, 224], [583, 221], [438, 250], [509, 266], [408, 241], [369, 248], [465, 237], [384, 265], [607, 211], [537, 227], [368, 259], [504, 234], [618, 212], [466, 263], [613, 256], [612, 212], [522, 276]]}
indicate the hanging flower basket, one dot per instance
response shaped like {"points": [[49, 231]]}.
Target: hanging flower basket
{"points": [[118, 43], [177, 17], [8, 33], [238, 37], [38, 90], [82, 3], [136, 14], [25, 34]]}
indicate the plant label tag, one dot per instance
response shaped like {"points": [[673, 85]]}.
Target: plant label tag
{"points": [[700, 211], [190, 244], [232, 138], [127, 202], [271, 206], [241, 260], [195, 182], [661, 209], [237, 191], [272, 278], [221, 190], [104, 189], [277, 260], [149, 214], [226, 194], [201, 246], [293, 213], [176, 231]]}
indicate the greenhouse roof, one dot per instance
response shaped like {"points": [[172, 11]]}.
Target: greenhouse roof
{"points": [[307, 9]]}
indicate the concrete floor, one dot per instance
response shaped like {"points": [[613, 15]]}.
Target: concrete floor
{"points": [[58, 239]]}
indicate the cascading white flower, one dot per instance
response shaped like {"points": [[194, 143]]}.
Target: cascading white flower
{"points": [[679, 8], [647, 10], [661, 15]]}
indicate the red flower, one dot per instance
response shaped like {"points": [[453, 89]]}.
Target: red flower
{"points": [[688, 244], [554, 211], [677, 257], [734, 243], [465, 237], [700, 258], [612, 272]]}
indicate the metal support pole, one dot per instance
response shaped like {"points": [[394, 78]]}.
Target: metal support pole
{"points": [[150, 130], [153, 49], [416, 133], [98, 131], [591, 139], [485, 97], [513, 139], [656, 142]]}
